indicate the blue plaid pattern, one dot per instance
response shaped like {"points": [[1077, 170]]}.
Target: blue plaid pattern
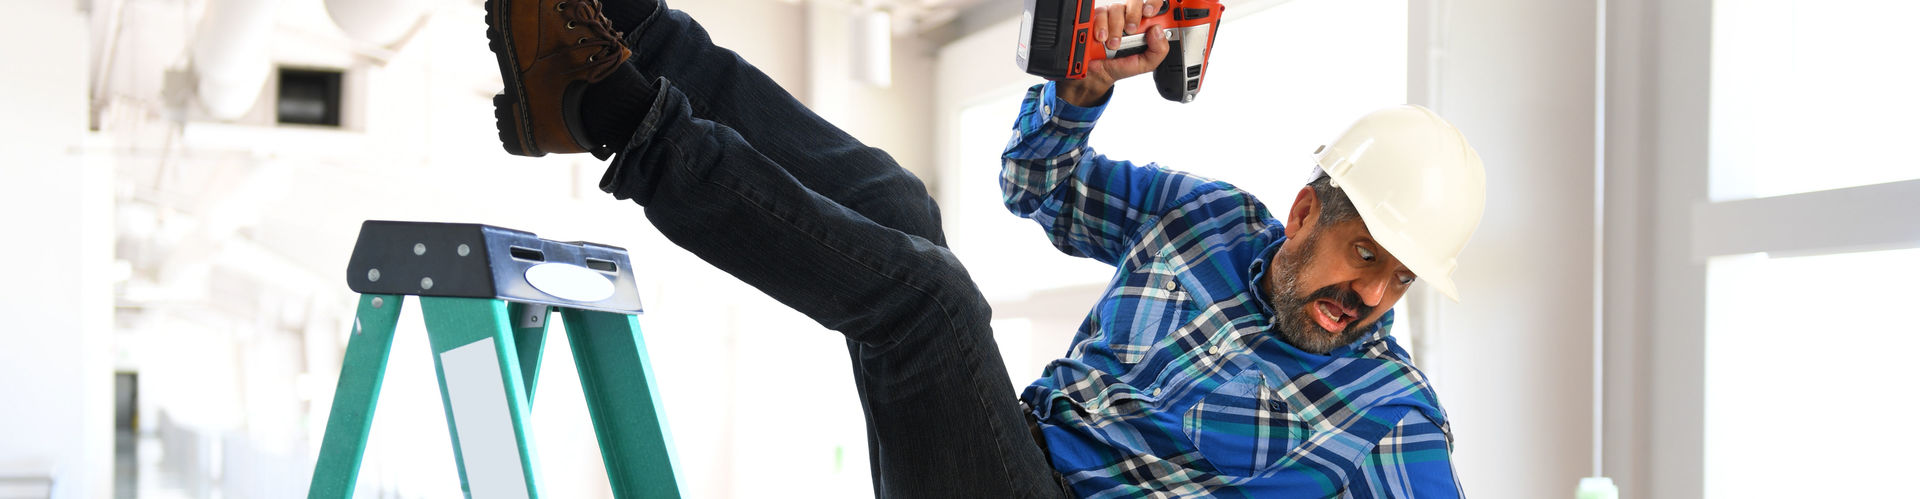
{"points": [[1174, 385]]}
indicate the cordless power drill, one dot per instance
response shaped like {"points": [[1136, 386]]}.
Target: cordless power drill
{"points": [[1056, 42]]}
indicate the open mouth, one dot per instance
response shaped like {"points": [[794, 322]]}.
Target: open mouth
{"points": [[1331, 316]]}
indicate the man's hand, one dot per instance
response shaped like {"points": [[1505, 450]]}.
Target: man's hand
{"points": [[1110, 23]]}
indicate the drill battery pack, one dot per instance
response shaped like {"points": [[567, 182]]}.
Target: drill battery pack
{"points": [[1056, 42]]}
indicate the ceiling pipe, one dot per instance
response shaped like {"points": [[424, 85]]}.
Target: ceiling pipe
{"points": [[114, 15], [381, 23], [232, 49], [872, 46]]}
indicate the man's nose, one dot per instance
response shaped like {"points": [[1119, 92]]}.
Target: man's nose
{"points": [[1371, 289]]}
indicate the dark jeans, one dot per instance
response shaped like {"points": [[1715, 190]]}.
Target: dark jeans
{"points": [[732, 168]]}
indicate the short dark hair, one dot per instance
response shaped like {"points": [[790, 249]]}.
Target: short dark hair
{"points": [[1334, 205]]}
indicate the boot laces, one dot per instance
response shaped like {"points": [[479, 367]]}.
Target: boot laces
{"points": [[586, 15]]}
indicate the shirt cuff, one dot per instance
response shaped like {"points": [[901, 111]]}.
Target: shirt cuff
{"points": [[1058, 108]]}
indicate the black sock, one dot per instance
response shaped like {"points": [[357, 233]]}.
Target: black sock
{"points": [[612, 108], [627, 14]]}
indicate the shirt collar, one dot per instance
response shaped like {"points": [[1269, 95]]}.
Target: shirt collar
{"points": [[1257, 276]]}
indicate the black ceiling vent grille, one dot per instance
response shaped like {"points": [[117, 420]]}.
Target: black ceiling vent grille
{"points": [[308, 97]]}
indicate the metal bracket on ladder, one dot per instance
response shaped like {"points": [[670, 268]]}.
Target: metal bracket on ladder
{"points": [[486, 293]]}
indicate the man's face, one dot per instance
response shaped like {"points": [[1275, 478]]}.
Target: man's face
{"points": [[1330, 284]]}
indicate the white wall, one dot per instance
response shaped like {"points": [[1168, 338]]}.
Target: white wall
{"points": [[55, 368]]}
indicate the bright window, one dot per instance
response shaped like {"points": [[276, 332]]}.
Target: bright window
{"points": [[1008, 256], [1805, 386], [1806, 374], [1812, 95]]}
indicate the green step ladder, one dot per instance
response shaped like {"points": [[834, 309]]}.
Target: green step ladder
{"points": [[486, 293]]}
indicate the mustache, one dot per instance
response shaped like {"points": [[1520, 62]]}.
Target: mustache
{"points": [[1346, 297]]}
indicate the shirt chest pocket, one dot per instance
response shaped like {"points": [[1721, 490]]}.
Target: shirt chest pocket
{"points": [[1243, 427], [1148, 308]]}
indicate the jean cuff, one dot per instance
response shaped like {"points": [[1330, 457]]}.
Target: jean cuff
{"points": [[621, 180], [632, 38]]}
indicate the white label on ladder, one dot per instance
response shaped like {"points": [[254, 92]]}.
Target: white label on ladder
{"points": [[484, 426], [569, 282]]}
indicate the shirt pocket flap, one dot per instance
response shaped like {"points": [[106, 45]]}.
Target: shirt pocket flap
{"points": [[1243, 427], [1149, 307]]}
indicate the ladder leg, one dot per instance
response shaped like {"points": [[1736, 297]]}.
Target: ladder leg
{"points": [[530, 338], [354, 397], [481, 387], [624, 403]]}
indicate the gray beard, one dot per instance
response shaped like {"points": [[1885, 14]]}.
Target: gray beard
{"points": [[1292, 320]]}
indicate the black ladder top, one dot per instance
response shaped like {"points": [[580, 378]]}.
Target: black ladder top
{"points": [[483, 261]]}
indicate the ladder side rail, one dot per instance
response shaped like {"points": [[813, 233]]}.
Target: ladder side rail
{"points": [[624, 403], [351, 416]]}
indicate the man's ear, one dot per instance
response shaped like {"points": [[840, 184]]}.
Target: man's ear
{"points": [[1305, 210]]}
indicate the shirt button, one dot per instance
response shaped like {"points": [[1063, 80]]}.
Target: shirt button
{"points": [[1045, 111], [1155, 392], [1172, 285], [1213, 350]]}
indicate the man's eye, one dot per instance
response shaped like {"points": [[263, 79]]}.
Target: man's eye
{"points": [[1406, 280], [1364, 254]]}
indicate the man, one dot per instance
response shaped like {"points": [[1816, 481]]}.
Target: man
{"points": [[732, 168], [1232, 355]]}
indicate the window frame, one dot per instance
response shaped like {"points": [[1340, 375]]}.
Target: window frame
{"points": [[1663, 227]]}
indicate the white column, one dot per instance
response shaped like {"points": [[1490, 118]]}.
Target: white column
{"points": [[56, 371], [1515, 373]]}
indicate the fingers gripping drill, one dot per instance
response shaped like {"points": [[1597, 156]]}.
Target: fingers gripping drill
{"points": [[1056, 42]]}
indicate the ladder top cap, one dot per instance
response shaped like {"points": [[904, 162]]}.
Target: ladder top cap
{"points": [[483, 261]]}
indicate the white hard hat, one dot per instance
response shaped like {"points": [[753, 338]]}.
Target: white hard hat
{"points": [[1417, 184]]}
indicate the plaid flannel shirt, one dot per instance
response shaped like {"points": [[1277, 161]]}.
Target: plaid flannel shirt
{"points": [[1175, 385]]}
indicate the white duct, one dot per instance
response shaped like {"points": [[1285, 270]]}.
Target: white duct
{"points": [[232, 55], [377, 22], [872, 46]]}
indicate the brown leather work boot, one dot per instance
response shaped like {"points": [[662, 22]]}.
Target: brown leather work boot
{"points": [[549, 50]]}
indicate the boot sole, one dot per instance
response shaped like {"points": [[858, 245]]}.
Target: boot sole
{"points": [[510, 105]]}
